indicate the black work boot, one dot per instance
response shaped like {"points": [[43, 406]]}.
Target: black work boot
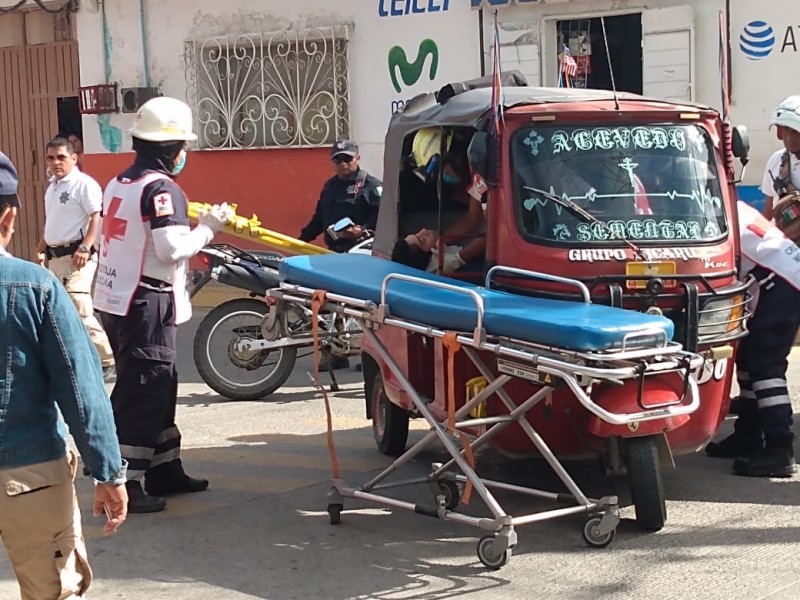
{"points": [[746, 438], [139, 502], [170, 478], [736, 445], [770, 461]]}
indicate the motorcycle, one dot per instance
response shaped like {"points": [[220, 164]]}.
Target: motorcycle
{"points": [[225, 351], [236, 355]]}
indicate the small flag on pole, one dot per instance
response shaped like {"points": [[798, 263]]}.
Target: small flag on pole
{"points": [[497, 89], [568, 64]]}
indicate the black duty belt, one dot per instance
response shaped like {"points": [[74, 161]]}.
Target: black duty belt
{"points": [[63, 250], [155, 284]]}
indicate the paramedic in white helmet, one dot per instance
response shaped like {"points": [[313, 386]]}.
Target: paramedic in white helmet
{"points": [[782, 173], [141, 295]]}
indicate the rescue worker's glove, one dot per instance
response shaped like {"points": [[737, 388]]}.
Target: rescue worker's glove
{"points": [[451, 261], [217, 217], [787, 216]]}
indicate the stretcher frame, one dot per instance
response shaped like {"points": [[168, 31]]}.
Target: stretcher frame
{"points": [[577, 369]]}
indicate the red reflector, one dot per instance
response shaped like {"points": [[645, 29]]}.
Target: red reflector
{"points": [[271, 301], [205, 260]]}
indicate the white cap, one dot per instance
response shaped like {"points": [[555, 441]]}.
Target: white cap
{"points": [[164, 119], [787, 114]]}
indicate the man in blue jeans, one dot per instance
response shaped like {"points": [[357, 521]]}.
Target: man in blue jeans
{"points": [[49, 365]]}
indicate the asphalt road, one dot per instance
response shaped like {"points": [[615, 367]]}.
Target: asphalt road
{"points": [[261, 530]]}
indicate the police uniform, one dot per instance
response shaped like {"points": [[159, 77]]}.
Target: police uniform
{"points": [[69, 203], [357, 197]]}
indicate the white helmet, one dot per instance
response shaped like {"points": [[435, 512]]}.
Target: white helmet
{"points": [[787, 114], [164, 119]]}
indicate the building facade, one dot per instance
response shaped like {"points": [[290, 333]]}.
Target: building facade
{"points": [[272, 84]]}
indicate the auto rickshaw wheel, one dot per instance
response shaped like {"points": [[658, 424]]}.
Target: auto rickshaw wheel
{"points": [[335, 513], [489, 557], [644, 479], [389, 421]]}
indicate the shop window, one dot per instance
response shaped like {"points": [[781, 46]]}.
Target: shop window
{"points": [[268, 90]]}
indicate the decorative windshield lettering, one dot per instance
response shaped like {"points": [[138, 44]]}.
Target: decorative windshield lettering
{"points": [[620, 138], [649, 229], [642, 182]]}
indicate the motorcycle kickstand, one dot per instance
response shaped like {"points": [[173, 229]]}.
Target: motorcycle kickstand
{"points": [[334, 383]]}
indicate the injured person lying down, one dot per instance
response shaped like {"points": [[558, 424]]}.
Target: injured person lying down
{"points": [[421, 251]]}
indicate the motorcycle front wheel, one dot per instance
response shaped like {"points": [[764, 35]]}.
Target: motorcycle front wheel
{"points": [[225, 363]]}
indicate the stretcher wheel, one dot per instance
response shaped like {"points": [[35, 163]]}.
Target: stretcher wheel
{"points": [[644, 479], [489, 557], [451, 493], [592, 535], [389, 421], [335, 513]]}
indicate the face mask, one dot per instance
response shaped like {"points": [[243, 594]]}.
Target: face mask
{"points": [[449, 179], [181, 163]]}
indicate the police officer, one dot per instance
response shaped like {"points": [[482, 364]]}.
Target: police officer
{"points": [[352, 193], [72, 205], [141, 295]]}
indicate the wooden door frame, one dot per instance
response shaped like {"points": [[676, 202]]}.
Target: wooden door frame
{"points": [[33, 77]]}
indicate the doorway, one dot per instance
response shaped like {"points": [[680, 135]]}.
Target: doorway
{"points": [[584, 40], [69, 117]]}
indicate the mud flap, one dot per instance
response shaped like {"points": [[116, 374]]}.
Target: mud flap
{"points": [[665, 458]]}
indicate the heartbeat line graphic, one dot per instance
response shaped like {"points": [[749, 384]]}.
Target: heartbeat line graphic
{"points": [[701, 198]]}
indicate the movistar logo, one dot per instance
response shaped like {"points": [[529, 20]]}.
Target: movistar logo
{"points": [[411, 72], [757, 40]]}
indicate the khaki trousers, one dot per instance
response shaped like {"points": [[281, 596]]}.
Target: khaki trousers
{"points": [[40, 525], [79, 284]]}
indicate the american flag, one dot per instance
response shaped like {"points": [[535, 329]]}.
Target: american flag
{"points": [[497, 90], [568, 65]]}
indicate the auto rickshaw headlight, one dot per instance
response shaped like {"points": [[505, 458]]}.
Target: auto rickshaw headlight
{"points": [[721, 316]]}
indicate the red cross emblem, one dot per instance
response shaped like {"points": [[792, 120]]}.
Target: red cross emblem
{"points": [[114, 228]]}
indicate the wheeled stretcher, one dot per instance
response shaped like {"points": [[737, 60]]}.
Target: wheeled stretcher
{"points": [[577, 343]]}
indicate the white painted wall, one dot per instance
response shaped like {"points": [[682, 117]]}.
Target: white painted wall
{"points": [[375, 30]]}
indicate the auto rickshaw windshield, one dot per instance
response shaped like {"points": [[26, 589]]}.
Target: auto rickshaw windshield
{"points": [[648, 183]]}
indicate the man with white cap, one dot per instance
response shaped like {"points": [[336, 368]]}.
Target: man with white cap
{"points": [[141, 295]]}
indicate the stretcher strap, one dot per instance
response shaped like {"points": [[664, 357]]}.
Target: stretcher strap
{"points": [[450, 342], [318, 300]]}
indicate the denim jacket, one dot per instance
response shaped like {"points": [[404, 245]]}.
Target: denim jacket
{"points": [[49, 363]]}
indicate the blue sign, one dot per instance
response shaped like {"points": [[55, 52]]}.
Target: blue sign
{"points": [[398, 8], [757, 40]]}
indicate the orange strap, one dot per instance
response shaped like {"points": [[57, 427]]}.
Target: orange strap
{"points": [[450, 342], [318, 300]]}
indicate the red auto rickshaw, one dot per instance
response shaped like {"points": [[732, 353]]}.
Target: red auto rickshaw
{"points": [[633, 197]]}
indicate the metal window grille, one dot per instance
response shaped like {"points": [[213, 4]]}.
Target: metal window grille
{"points": [[270, 90]]}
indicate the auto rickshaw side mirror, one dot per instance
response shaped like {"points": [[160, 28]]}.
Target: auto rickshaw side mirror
{"points": [[478, 153], [740, 141]]}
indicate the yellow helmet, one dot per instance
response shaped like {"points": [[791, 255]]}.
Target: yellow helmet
{"points": [[427, 144]]}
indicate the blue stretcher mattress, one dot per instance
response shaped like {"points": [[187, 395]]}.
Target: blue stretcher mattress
{"points": [[572, 325]]}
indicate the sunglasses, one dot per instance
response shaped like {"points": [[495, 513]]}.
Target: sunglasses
{"points": [[343, 158], [58, 157]]}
